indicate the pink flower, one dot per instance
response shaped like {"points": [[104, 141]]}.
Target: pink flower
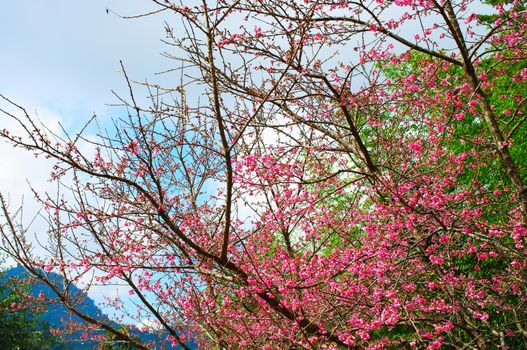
{"points": [[48, 267], [436, 259], [481, 316], [482, 256], [415, 146], [258, 32], [133, 147], [436, 344]]}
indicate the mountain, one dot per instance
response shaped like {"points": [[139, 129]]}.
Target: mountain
{"points": [[57, 316]]}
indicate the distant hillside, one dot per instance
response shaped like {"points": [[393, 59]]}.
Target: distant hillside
{"points": [[57, 315]]}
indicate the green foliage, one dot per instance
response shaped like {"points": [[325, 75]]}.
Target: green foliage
{"points": [[113, 343], [21, 329], [504, 96], [489, 19]]}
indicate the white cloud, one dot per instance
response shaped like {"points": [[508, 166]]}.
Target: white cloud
{"points": [[147, 324], [21, 170]]}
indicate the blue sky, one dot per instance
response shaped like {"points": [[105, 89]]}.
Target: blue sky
{"points": [[64, 55], [60, 60]]}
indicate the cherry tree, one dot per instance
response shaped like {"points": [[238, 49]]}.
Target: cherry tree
{"points": [[327, 174]]}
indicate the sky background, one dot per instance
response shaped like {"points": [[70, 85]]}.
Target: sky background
{"points": [[64, 55], [60, 60]]}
